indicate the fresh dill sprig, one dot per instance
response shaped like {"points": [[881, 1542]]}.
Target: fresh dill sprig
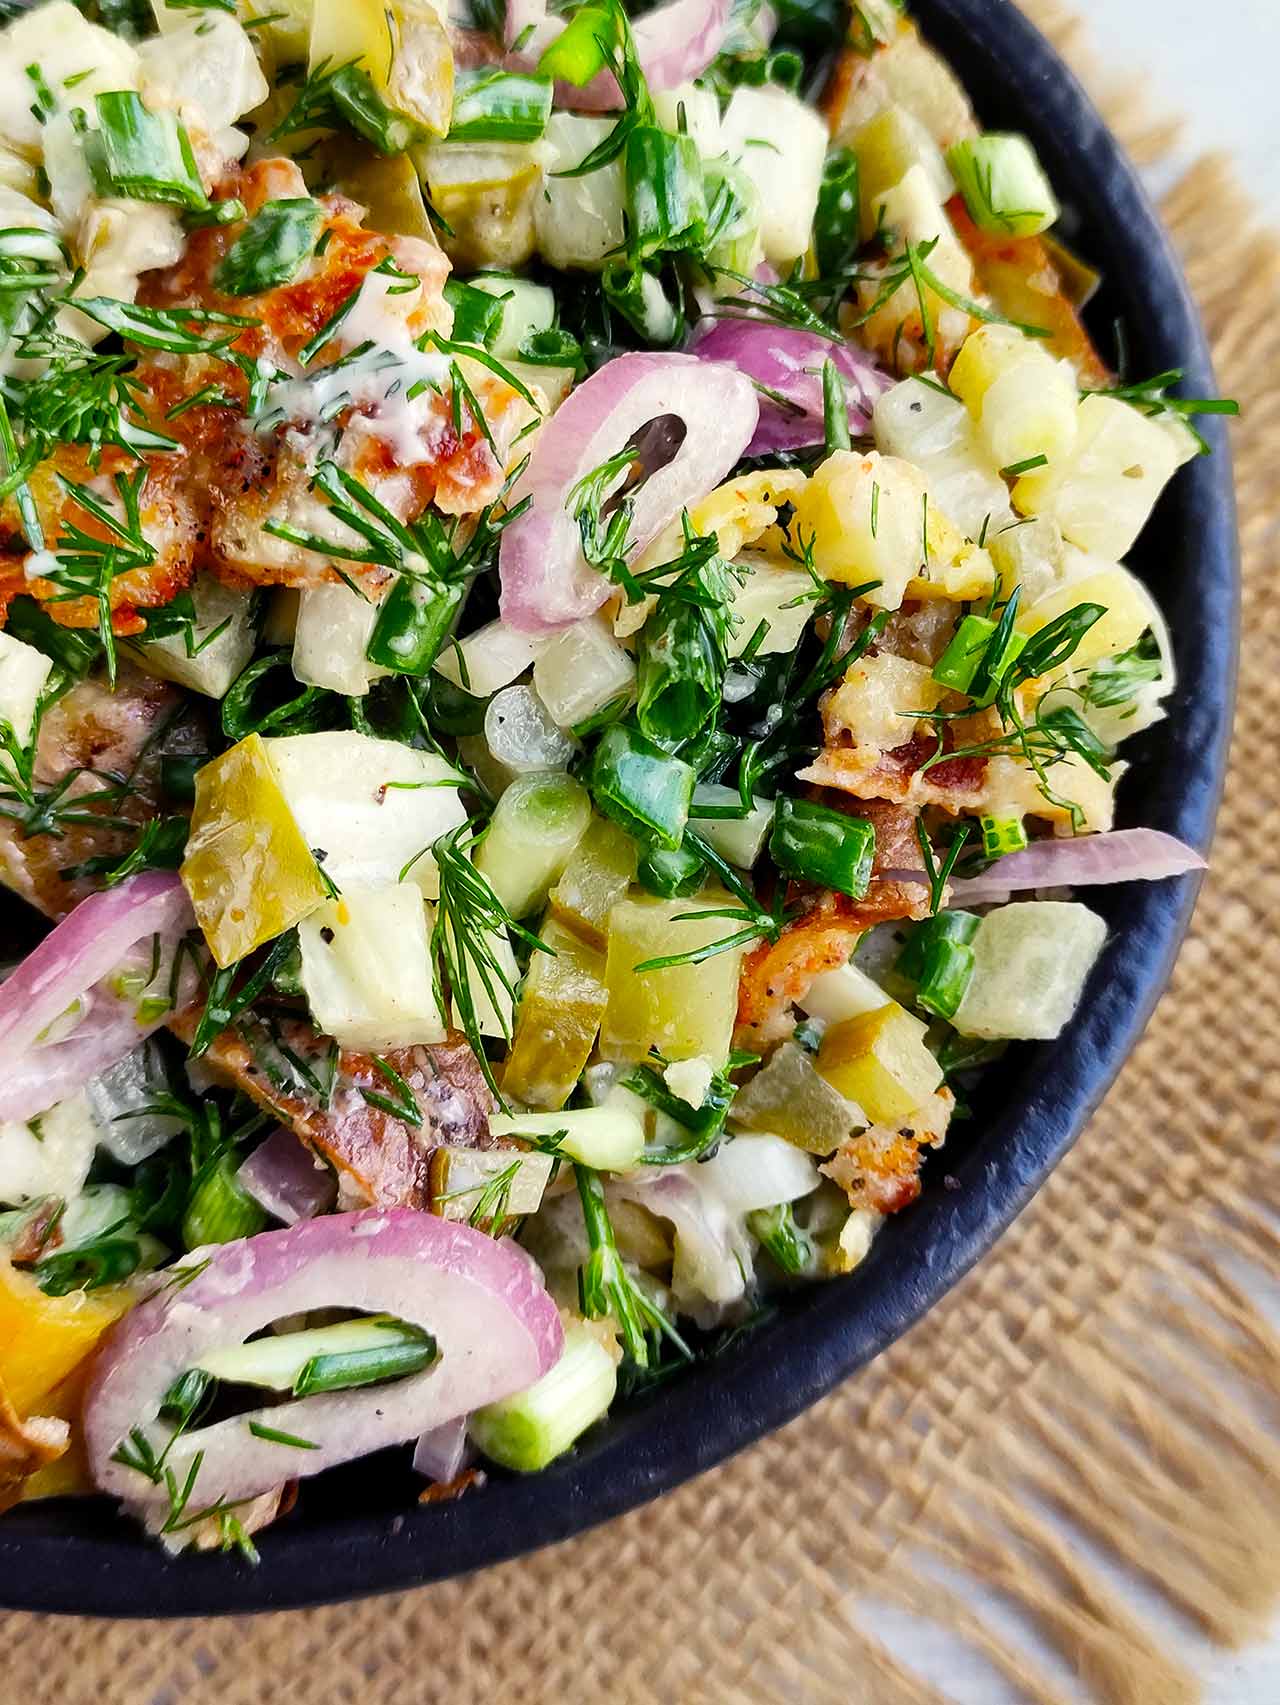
{"points": [[86, 565], [470, 922], [606, 1286]]}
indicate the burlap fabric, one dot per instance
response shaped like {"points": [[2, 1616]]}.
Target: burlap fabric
{"points": [[1077, 1442]]}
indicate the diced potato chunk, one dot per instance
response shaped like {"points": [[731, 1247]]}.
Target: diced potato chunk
{"points": [[1029, 554], [681, 1010], [366, 969], [907, 73], [777, 596], [581, 671], [847, 992], [1130, 611], [558, 1020], [223, 637], [701, 115], [866, 515], [887, 147], [877, 696], [578, 220], [1103, 492], [489, 658], [781, 144], [880, 1060], [1031, 961], [248, 868], [373, 806], [598, 875], [914, 211], [788, 1098], [931, 428], [23, 673], [986, 353]]}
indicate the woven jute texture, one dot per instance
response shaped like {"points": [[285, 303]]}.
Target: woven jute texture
{"points": [[1077, 1445]]}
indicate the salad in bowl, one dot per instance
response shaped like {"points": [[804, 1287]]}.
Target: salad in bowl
{"points": [[565, 647]]}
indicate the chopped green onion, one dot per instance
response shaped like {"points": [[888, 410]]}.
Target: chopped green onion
{"points": [[665, 201], [835, 408], [531, 1429], [816, 844], [959, 927], [408, 1350], [1003, 184], [579, 52], [452, 710], [1001, 835], [642, 788], [638, 296], [979, 656], [178, 775], [413, 623], [605, 1287], [229, 211], [272, 1436], [705, 1124], [353, 94], [776, 1231], [835, 223], [551, 347], [477, 314], [937, 962], [672, 875], [499, 106], [221, 1210], [948, 970], [272, 249], [142, 154]]}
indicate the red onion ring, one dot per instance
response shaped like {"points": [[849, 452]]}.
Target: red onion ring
{"points": [[282, 1177], [444, 1452], [674, 43], [546, 584], [496, 1329], [1086, 861], [790, 362], [106, 934]]}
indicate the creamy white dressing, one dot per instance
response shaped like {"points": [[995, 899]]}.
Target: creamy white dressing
{"points": [[377, 384]]}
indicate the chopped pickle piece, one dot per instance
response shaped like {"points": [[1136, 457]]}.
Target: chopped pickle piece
{"points": [[487, 1186], [558, 1019], [880, 1061], [43, 1338], [681, 1010], [387, 186], [248, 870], [594, 880], [789, 1098]]}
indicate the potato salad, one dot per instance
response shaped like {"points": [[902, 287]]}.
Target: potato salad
{"points": [[564, 649]]}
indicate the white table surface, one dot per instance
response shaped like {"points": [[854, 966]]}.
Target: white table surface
{"points": [[1217, 62]]}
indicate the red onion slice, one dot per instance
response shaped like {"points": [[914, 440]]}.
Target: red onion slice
{"points": [[546, 584], [674, 43], [106, 935], [1088, 861], [444, 1452], [282, 1177], [790, 363], [496, 1329]]}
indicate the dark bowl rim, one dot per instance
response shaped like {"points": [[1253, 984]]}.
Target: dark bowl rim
{"points": [[728, 1403]]}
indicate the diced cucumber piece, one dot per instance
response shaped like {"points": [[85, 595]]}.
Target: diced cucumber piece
{"points": [[1031, 961]]}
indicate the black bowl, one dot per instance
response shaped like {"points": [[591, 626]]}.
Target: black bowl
{"points": [[360, 1530]]}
